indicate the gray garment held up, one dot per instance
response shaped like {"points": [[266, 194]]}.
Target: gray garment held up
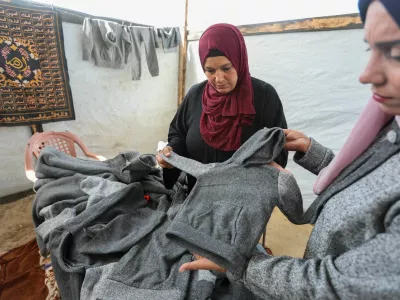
{"points": [[228, 208]]}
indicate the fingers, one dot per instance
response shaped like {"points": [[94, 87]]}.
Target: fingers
{"points": [[296, 141], [201, 264], [163, 164], [167, 152], [277, 166], [290, 146], [197, 256], [160, 160]]}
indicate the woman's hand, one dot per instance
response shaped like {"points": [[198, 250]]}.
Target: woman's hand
{"points": [[296, 141], [201, 263], [167, 152], [277, 166]]}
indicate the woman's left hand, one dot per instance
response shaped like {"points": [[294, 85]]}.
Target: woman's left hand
{"points": [[201, 263], [276, 166]]}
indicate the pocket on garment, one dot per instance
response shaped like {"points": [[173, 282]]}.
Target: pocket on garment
{"points": [[219, 222]]}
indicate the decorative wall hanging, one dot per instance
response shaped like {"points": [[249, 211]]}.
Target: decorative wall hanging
{"points": [[34, 81]]}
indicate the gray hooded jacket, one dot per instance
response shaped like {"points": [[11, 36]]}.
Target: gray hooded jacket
{"points": [[231, 203]]}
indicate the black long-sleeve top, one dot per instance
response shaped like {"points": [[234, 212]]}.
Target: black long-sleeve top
{"points": [[184, 132]]}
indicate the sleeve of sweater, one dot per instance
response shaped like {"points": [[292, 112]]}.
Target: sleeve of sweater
{"points": [[177, 138], [87, 40], [316, 158], [127, 43], [178, 127], [370, 271], [274, 110]]}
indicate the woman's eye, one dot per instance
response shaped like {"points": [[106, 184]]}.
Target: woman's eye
{"points": [[226, 69], [395, 52]]}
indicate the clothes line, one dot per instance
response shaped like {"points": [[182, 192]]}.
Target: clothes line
{"points": [[73, 16], [113, 45]]}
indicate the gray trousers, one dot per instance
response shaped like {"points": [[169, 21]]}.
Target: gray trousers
{"points": [[145, 35]]}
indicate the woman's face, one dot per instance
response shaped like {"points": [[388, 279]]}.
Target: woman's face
{"points": [[383, 70], [221, 73]]}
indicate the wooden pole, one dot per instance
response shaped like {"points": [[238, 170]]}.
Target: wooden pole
{"points": [[37, 127], [340, 22], [182, 58]]}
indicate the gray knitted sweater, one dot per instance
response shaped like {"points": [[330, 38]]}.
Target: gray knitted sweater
{"points": [[228, 208], [354, 249], [107, 42]]}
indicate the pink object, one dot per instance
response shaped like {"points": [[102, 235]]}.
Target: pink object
{"points": [[370, 122], [62, 141]]}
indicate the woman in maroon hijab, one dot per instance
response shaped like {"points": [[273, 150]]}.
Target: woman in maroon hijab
{"points": [[218, 115]]}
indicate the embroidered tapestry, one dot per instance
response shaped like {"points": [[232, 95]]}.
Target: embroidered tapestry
{"points": [[34, 82]]}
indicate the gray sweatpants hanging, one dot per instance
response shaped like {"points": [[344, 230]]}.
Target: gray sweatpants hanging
{"points": [[145, 35]]}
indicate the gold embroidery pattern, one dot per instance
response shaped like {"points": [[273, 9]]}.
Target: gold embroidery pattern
{"points": [[50, 280], [34, 83], [19, 63]]}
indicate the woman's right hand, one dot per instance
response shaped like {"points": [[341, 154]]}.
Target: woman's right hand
{"points": [[296, 141], [167, 152]]}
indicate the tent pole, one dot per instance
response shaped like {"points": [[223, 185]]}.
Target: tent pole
{"points": [[182, 58]]}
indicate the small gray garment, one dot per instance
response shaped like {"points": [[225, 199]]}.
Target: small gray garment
{"points": [[170, 38], [107, 42], [227, 210], [137, 36]]}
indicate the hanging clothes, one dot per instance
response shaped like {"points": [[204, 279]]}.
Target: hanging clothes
{"points": [[107, 42], [170, 38], [137, 35]]}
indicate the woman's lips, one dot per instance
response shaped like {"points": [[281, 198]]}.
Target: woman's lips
{"points": [[380, 98]]}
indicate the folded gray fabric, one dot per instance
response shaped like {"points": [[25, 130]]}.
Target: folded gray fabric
{"points": [[66, 243], [61, 175], [149, 270], [105, 223], [97, 188], [45, 229], [227, 210], [127, 167]]}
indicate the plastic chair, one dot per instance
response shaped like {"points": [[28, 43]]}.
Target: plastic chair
{"points": [[62, 141]]}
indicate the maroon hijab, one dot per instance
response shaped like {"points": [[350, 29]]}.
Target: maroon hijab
{"points": [[224, 115]]}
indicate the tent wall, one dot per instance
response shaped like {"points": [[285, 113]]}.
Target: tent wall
{"points": [[113, 112], [239, 12], [316, 76]]}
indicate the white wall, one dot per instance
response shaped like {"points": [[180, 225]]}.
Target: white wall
{"points": [[316, 76], [113, 112]]}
